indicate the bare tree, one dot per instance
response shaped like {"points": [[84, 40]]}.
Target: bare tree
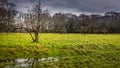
{"points": [[34, 20]]}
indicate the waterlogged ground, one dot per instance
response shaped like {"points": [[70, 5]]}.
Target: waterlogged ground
{"points": [[60, 51]]}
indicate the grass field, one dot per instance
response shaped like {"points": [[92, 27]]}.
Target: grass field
{"points": [[73, 50]]}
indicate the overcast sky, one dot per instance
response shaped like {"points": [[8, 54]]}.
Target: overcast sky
{"points": [[73, 6]]}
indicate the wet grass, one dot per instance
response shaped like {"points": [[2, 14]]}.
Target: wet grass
{"points": [[73, 50]]}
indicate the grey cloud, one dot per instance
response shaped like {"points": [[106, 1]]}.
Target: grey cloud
{"points": [[91, 6], [86, 5]]}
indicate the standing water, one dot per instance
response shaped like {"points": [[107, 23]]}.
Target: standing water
{"points": [[28, 62]]}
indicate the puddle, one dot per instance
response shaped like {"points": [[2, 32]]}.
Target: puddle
{"points": [[27, 63]]}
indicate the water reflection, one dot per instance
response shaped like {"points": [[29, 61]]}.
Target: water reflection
{"points": [[28, 62]]}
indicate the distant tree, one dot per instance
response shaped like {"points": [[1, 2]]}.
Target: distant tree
{"points": [[112, 22], [84, 24], [7, 14], [71, 25], [59, 20]]}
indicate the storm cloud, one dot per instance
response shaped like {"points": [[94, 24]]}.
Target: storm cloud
{"points": [[76, 6]]}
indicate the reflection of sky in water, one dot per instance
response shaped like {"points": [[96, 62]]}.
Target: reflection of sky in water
{"points": [[16, 63]]}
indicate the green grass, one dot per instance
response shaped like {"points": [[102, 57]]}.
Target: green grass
{"points": [[73, 50]]}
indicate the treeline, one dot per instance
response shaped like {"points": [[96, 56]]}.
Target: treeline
{"points": [[70, 23], [95, 23], [13, 21]]}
